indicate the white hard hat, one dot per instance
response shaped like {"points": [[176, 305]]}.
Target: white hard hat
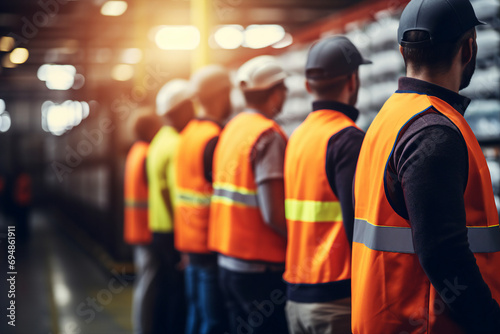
{"points": [[260, 73], [210, 80], [172, 94]]}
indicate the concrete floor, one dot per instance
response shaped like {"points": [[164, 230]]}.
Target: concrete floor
{"points": [[60, 289]]}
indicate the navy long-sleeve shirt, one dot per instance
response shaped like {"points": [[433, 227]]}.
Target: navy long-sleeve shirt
{"points": [[426, 178]]}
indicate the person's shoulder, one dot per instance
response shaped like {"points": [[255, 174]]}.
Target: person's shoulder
{"points": [[430, 122]]}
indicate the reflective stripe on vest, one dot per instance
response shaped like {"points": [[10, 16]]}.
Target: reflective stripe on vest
{"points": [[313, 211], [399, 239], [192, 198], [225, 193]]}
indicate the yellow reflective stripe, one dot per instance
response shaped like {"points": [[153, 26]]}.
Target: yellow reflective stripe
{"points": [[190, 197], [313, 211], [233, 188], [136, 203]]}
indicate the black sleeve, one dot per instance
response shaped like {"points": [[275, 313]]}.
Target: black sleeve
{"points": [[208, 158], [341, 158], [431, 165]]}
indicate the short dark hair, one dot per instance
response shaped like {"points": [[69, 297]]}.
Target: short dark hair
{"points": [[329, 87], [259, 97], [436, 57]]}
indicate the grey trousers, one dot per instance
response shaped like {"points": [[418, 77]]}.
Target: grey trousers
{"points": [[319, 318]]}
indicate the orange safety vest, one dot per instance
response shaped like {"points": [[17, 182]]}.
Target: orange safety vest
{"points": [[391, 292], [136, 230], [193, 190], [237, 228], [318, 250]]}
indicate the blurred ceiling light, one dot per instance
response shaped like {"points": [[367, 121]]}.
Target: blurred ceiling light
{"points": [[286, 41], [114, 8], [42, 72], [2, 106], [57, 77], [6, 62], [132, 56], [60, 118], [122, 72], [85, 109], [261, 36], [5, 122], [177, 38], [229, 37], [19, 55], [57, 119], [6, 43]]}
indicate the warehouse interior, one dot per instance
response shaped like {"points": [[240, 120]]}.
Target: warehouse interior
{"points": [[74, 71]]}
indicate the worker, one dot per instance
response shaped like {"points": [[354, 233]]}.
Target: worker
{"points": [[426, 245], [320, 161], [247, 212], [211, 86], [136, 229], [173, 104]]}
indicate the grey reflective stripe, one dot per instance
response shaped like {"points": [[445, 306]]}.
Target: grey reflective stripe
{"points": [[383, 238], [399, 239], [484, 239], [233, 196]]}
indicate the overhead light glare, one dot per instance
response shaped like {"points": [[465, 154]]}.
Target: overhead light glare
{"points": [[177, 37], [114, 8], [122, 72], [6, 43], [261, 36], [19, 55], [229, 36]]}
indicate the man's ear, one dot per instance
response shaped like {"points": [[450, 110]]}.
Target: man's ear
{"points": [[352, 82], [467, 50], [401, 50], [308, 86]]}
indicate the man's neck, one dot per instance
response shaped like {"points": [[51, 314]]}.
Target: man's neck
{"points": [[445, 80], [259, 109]]}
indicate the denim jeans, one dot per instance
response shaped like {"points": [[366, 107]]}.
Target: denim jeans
{"points": [[204, 301]]}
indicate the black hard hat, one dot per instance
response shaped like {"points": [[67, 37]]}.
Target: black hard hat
{"points": [[332, 57], [444, 20]]}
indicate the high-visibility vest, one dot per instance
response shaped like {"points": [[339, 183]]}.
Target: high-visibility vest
{"points": [[161, 179], [237, 228], [318, 250], [193, 190], [390, 291], [136, 230]]}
